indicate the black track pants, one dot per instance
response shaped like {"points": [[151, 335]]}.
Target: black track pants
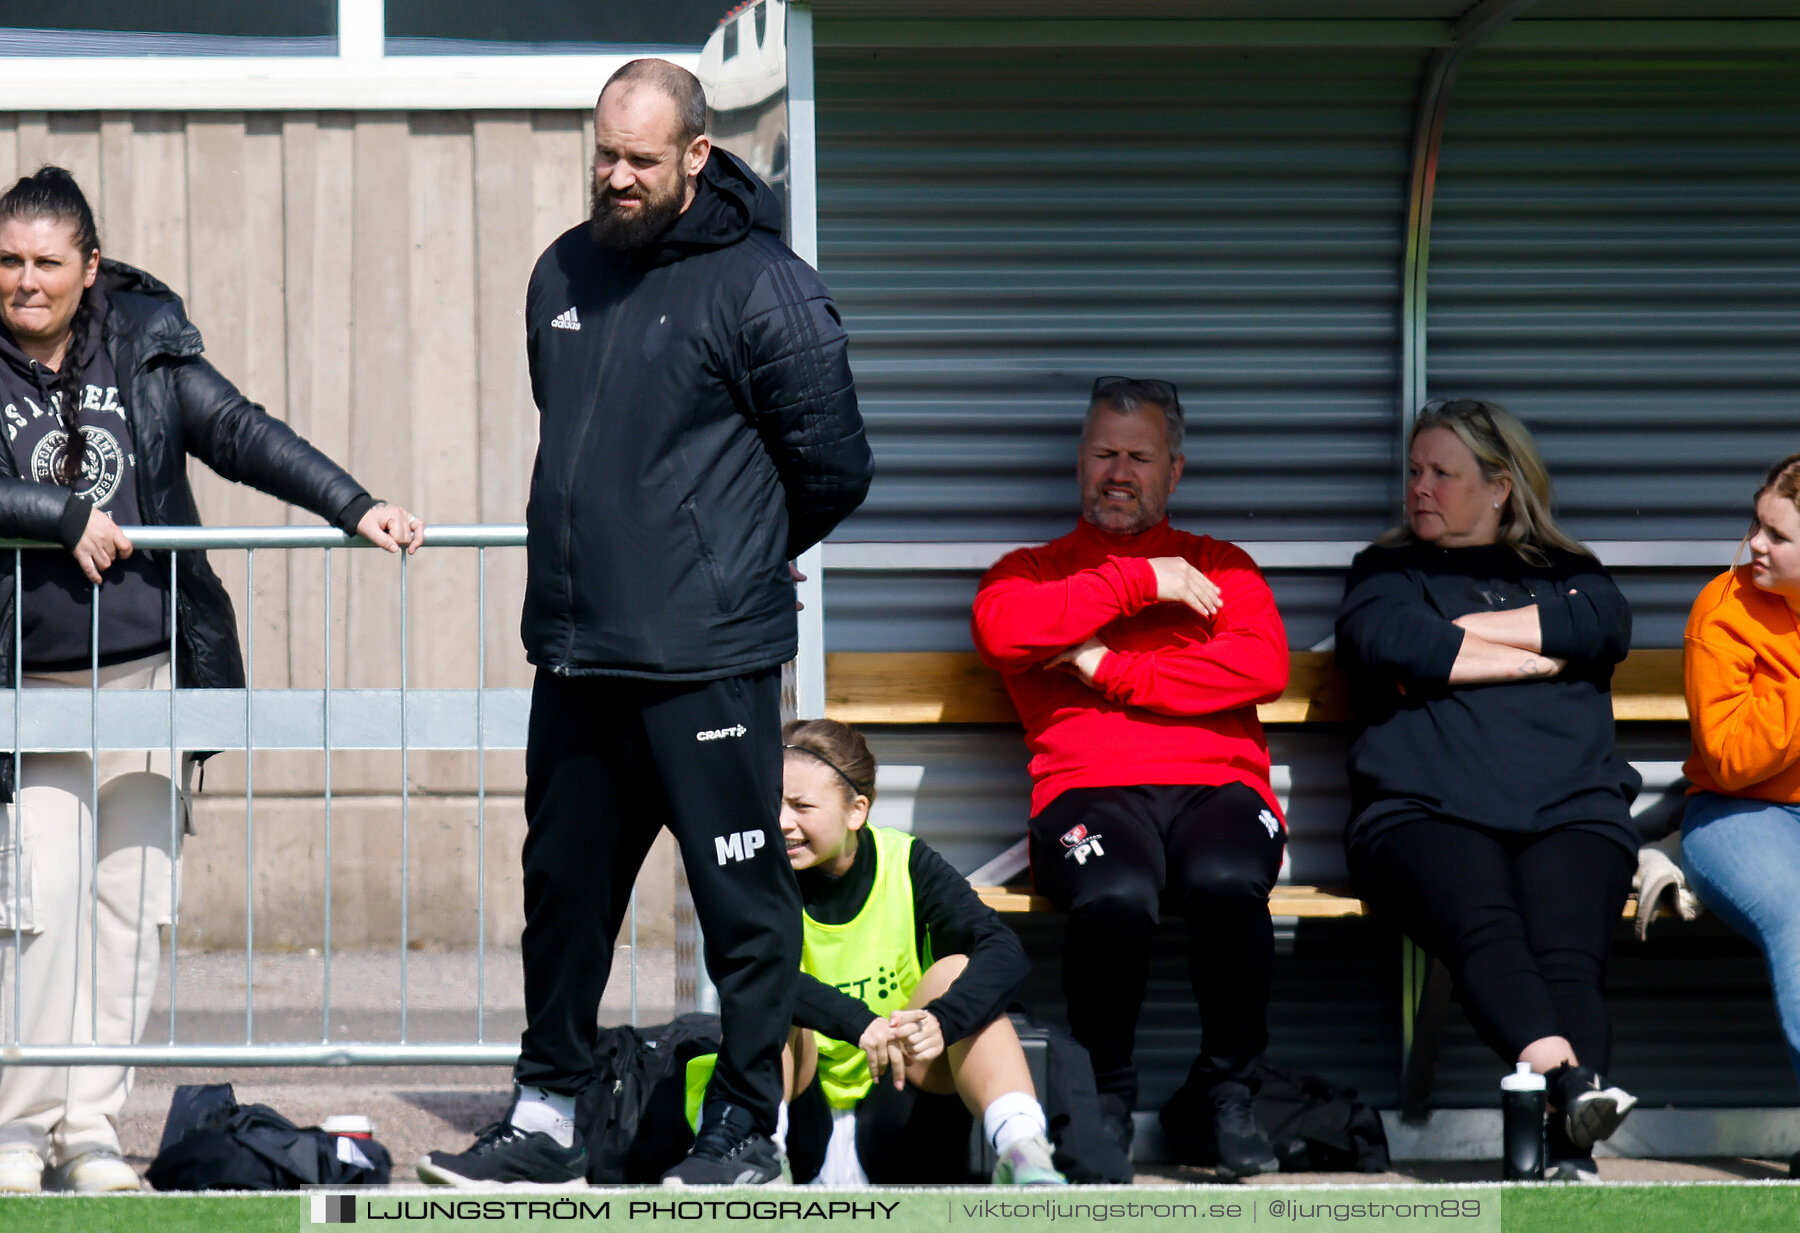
{"points": [[1210, 854], [1523, 922], [609, 762]]}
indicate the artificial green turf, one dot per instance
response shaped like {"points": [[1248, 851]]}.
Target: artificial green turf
{"points": [[151, 1214], [1529, 1209], [1652, 1209]]}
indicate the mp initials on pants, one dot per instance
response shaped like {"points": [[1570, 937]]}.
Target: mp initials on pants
{"points": [[740, 846]]}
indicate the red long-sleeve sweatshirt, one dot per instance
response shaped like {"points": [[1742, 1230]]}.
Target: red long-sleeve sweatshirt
{"points": [[1174, 699]]}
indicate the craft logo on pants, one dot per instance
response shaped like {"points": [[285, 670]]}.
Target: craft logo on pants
{"points": [[1082, 845], [334, 1209], [740, 846]]}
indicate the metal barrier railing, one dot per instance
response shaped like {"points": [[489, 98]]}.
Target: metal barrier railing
{"points": [[325, 720]]}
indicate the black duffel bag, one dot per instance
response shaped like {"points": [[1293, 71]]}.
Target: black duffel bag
{"points": [[1315, 1125], [211, 1142]]}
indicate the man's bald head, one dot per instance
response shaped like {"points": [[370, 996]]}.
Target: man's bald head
{"points": [[675, 84]]}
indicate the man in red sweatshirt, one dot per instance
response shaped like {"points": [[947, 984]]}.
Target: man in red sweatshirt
{"points": [[1136, 655]]}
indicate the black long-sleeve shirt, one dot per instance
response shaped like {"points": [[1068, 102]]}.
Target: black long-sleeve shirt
{"points": [[949, 919], [1515, 756]]}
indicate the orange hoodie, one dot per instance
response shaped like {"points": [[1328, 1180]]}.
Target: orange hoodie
{"points": [[1742, 667]]}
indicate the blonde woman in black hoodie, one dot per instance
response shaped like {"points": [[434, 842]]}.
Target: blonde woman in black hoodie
{"points": [[1492, 812], [103, 395]]}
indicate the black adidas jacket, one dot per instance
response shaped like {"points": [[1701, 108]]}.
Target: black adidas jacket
{"points": [[697, 429]]}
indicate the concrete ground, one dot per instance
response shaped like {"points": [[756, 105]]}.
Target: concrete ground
{"points": [[415, 1109]]}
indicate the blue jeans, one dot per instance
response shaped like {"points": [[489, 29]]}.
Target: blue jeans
{"points": [[1742, 857]]}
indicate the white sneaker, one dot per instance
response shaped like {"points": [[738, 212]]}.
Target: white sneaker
{"points": [[96, 1172], [21, 1169]]}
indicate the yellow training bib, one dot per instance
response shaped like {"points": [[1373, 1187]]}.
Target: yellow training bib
{"points": [[872, 957]]}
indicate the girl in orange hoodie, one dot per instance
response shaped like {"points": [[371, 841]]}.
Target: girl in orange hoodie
{"points": [[1740, 838]]}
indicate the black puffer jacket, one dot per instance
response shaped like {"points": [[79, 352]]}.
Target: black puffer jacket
{"points": [[698, 428], [177, 404]]}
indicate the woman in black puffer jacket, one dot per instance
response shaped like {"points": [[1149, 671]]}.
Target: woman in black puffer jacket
{"points": [[104, 395]]}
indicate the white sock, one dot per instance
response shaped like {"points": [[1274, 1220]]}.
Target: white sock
{"points": [[1011, 1117], [549, 1112], [781, 1126]]}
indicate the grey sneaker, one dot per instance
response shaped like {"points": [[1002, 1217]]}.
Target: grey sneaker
{"points": [[1028, 1163], [730, 1151], [100, 1171], [21, 1169]]}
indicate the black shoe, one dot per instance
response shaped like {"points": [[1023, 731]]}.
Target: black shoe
{"points": [[729, 1151], [1588, 1109], [506, 1155], [1116, 1123], [1244, 1149], [1563, 1161]]}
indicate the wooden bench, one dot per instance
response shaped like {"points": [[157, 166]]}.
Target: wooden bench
{"points": [[955, 687]]}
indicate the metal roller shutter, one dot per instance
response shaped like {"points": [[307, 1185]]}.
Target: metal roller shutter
{"points": [[1615, 255], [1000, 228]]}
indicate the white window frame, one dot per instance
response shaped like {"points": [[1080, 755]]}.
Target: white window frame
{"points": [[360, 77]]}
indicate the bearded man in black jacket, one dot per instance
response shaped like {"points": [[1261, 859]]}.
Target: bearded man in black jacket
{"points": [[698, 430]]}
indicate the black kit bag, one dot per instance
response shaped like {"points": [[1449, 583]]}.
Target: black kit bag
{"points": [[1083, 1151], [633, 1116], [211, 1142], [1315, 1126]]}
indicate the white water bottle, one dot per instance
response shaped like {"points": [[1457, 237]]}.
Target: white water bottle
{"points": [[1522, 1125]]}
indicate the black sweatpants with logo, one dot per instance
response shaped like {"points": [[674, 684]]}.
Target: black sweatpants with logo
{"points": [[609, 762], [1114, 859]]}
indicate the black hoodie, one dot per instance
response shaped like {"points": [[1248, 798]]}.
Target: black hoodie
{"points": [[697, 429], [178, 407], [58, 597], [1528, 756]]}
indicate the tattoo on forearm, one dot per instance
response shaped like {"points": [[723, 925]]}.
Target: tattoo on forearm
{"points": [[1534, 666]]}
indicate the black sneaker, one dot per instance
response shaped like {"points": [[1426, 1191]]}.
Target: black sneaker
{"points": [[504, 1155], [1116, 1123], [729, 1151], [1563, 1161], [1588, 1110], [1244, 1149]]}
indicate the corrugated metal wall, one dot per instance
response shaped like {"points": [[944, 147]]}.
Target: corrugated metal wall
{"points": [[1616, 254], [1000, 230], [998, 234]]}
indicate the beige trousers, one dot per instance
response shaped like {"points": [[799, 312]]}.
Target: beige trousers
{"points": [[86, 890]]}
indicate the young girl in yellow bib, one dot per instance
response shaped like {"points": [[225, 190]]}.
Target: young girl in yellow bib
{"points": [[906, 980]]}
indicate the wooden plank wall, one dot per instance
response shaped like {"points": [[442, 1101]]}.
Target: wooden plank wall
{"points": [[362, 275]]}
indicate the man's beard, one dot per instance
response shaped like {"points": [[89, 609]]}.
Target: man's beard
{"points": [[642, 226]]}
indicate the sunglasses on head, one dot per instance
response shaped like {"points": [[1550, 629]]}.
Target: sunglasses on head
{"points": [[1161, 391]]}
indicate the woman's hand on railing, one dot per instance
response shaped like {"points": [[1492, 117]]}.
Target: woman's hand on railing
{"points": [[391, 527], [100, 545]]}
